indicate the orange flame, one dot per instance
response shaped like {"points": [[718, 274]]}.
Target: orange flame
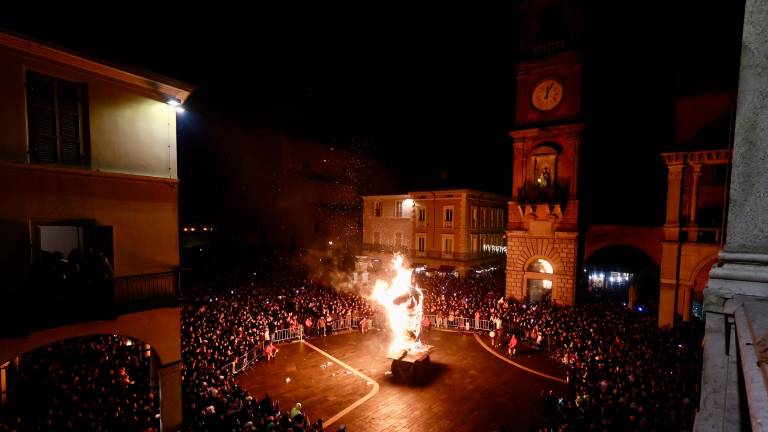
{"points": [[403, 306]]}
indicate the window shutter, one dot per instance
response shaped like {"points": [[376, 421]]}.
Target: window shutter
{"points": [[69, 123], [42, 119]]}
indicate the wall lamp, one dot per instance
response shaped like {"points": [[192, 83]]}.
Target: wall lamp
{"points": [[175, 102]]}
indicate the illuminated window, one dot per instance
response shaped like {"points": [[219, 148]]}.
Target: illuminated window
{"points": [[474, 217], [399, 209], [422, 216], [540, 266], [377, 209], [539, 283]]}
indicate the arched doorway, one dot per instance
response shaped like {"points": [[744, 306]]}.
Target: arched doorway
{"points": [[623, 274], [700, 279], [538, 280]]}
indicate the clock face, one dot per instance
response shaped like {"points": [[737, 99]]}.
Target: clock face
{"points": [[547, 94]]}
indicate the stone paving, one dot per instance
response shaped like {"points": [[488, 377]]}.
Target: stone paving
{"points": [[468, 388]]}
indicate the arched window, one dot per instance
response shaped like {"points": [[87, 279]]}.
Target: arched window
{"points": [[542, 166], [538, 280], [540, 266]]}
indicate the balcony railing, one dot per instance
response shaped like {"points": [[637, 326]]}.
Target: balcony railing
{"points": [[459, 256], [148, 287], [701, 235], [549, 47], [50, 302], [373, 247], [532, 194]]}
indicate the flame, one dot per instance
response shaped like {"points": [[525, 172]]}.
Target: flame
{"points": [[402, 304]]}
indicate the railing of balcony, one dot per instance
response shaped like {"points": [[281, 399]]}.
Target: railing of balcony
{"points": [[460, 256], [701, 235], [146, 287], [532, 194], [434, 254], [548, 48], [48, 302], [385, 248]]}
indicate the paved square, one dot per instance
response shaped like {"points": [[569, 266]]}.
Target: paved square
{"points": [[468, 389]]}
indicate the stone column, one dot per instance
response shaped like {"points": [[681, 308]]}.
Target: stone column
{"points": [[170, 397], [743, 268], [670, 247], [685, 301], [744, 258], [693, 232], [3, 383], [674, 163], [696, 173]]}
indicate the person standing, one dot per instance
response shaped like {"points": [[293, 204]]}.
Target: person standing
{"points": [[321, 326], [512, 347]]}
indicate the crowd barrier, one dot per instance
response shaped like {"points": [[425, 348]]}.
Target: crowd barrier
{"points": [[472, 324], [348, 324], [293, 333]]}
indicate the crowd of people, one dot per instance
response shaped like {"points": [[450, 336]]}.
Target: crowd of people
{"points": [[624, 373], [56, 269], [237, 314], [95, 383]]}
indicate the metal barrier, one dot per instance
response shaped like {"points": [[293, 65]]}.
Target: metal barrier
{"points": [[244, 361], [348, 324], [288, 334], [472, 324]]}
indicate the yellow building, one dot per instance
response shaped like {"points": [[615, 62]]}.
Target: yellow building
{"points": [[449, 230], [88, 160], [698, 170]]}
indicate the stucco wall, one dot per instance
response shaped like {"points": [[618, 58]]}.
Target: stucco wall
{"points": [[129, 132]]}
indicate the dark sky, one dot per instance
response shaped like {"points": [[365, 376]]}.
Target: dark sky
{"points": [[427, 91]]}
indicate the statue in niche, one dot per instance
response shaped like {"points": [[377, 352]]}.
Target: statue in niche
{"points": [[544, 180]]}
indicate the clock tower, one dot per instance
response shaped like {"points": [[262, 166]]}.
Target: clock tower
{"points": [[542, 230]]}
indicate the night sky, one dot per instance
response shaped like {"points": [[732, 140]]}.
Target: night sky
{"points": [[428, 92]]}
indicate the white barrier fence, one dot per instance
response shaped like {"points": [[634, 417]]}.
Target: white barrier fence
{"points": [[293, 333], [348, 324], [472, 324]]}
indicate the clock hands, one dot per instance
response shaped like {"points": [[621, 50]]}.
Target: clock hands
{"points": [[549, 87]]}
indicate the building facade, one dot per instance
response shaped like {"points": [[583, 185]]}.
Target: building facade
{"points": [[542, 229], [697, 180], [449, 231], [88, 154]]}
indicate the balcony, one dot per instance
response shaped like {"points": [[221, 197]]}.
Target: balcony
{"points": [[52, 303], [701, 235], [532, 194], [548, 48], [372, 247], [459, 256]]}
